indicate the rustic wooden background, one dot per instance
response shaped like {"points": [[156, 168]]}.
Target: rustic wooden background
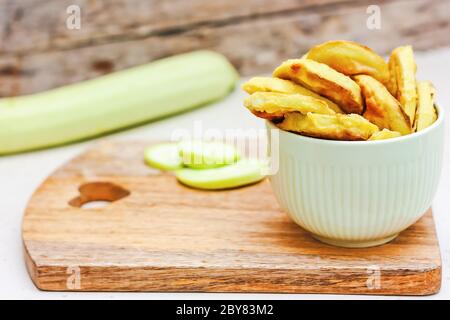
{"points": [[38, 52]]}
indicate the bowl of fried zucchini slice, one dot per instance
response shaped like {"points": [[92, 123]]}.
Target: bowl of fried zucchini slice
{"points": [[360, 141]]}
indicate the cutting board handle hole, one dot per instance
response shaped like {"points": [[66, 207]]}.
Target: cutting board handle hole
{"points": [[98, 195]]}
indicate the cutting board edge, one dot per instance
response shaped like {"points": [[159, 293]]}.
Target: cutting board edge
{"points": [[423, 281]]}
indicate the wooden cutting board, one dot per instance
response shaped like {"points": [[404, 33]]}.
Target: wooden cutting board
{"points": [[158, 235]]}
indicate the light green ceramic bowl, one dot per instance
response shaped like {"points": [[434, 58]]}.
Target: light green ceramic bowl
{"points": [[358, 193]]}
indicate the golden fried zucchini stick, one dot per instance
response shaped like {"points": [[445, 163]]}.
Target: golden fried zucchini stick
{"points": [[323, 80], [266, 84], [271, 105], [385, 134], [382, 108], [351, 58], [333, 127], [426, 113], [403, 80]]}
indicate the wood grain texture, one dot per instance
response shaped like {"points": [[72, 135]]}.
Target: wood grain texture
{"points": [[38, 52], [163, 236]]}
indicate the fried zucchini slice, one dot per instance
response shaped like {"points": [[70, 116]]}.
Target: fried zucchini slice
{"points": [[333, 127], [266, 84], [404, 76], [350, 58], [426, 113], [267, 116], [392, 83], [385, 134], [276, 105], [382, 108], [323, 80]]}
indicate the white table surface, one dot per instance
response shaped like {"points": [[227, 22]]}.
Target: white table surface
{"points": [[21, 174]]}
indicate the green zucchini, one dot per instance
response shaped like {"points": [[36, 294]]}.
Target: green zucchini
{"points": [[204, 155], [163, 156], [235, 175], [115, 101]]}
